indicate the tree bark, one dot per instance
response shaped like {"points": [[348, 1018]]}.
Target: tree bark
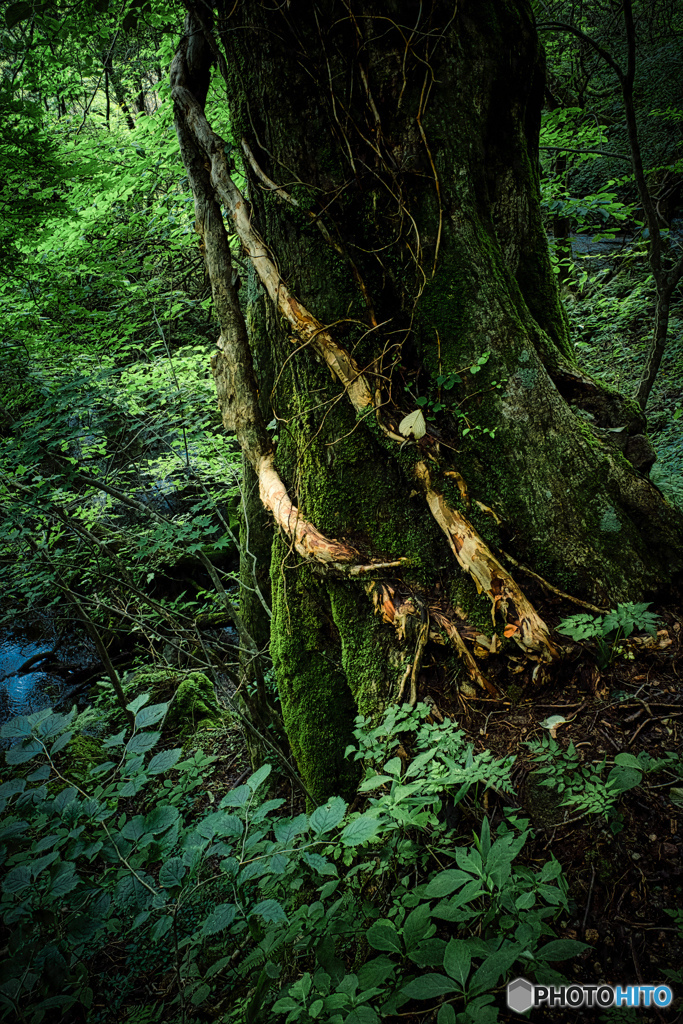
{"points": [[395, 235]]}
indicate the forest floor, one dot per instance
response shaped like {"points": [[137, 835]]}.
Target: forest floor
{"points": [[625, 866], [623, 862]]}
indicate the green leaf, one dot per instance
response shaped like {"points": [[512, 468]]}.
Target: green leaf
{"points": [[445, 883], [161, 818], [419, 763], [622, 779], [360, 830], [139, 702], [236, 797], [270, 911], [285, 1005], [17, 828], [82, 928], [362, 1015], [13, 787], [417, 926], [20, 753], [142, 742], [492, 968], [64, 880], [115, 741], [64, 798], [319, 863], [161, 927], [134, 829], [286, 829], [220, 919], [327, 817], [382, 935], [61, 742], [150, 715], [457, 960], [375, 972], [172, 872], [164, 761], [429, 953], [429, 987], [17, 728], [446, 1014], [258, 777], [17, 879], [628, 761], [220, 823], [374, 783], [201, 995], [17, 12], [561, 949]]}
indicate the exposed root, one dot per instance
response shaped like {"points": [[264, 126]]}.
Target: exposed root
{"points": [[308, 328], [422, 638], [530, 631], [472, 554], [314, 219], [553, 590], [396, 610], [473, 670], [308, 542]]}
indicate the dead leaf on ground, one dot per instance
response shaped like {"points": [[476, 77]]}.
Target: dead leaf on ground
{"points": [[553, 723]]}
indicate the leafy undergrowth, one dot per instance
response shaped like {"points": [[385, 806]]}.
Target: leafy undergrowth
{"points": [[621, 848], [539, 836], [612, 316]]}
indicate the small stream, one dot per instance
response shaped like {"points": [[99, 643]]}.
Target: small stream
{"points": [[22, 693]]}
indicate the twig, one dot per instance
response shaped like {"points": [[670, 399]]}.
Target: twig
{"points": [[588, 901], [554, 590]]}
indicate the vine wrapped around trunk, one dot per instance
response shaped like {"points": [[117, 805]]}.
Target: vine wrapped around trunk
{"points": [[430, 409]]}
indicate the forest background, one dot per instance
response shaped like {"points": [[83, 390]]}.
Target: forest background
{"points": [[155, 866]]}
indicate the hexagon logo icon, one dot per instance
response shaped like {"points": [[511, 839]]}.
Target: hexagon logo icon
{"points": [[520, 995]]}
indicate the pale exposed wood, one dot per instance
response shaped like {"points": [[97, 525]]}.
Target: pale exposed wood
{"points": [[489, 576], [308, 541], [308, 328], [473, 670]]}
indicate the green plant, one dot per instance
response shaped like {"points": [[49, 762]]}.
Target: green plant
{"points": [[609, 629], [436, 402], [240, 899], [585, 786], [676, 915]]}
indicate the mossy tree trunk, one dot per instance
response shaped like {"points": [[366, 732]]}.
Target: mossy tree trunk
{"points": [[393, 223]]}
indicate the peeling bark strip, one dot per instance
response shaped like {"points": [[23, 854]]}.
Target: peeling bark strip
{"points": [[474, 672], [394, 612], [308, 541], [232, 364], [488, 574], [308, 328]]}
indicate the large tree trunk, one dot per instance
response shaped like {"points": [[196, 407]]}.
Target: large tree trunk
{"points": [[402, 265]]}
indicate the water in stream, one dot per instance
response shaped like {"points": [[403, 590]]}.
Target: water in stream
{"points": [[22, 693]]}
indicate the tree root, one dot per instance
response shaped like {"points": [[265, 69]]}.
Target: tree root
{"points": [[553, 590], [438, 622], [473, 555]]}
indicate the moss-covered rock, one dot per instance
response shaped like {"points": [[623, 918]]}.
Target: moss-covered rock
{"points": [[192, 696], [194, 704]]}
